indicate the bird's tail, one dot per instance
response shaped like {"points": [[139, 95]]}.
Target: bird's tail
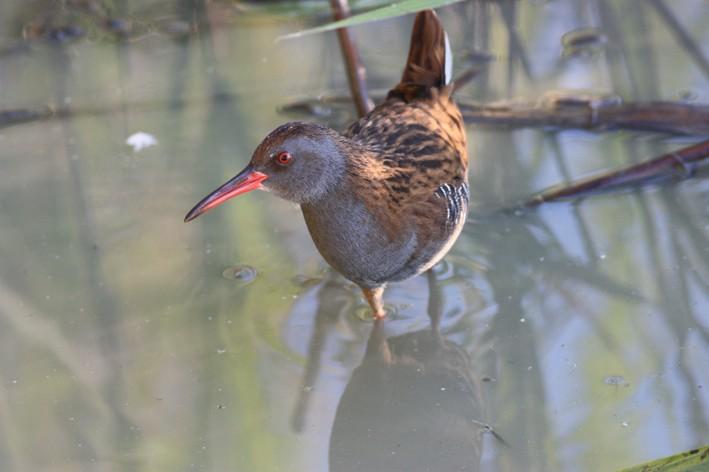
{"points": [[430, 62]]}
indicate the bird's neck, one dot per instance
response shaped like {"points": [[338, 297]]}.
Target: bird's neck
{"points": [[353, 166], [362, 188]]}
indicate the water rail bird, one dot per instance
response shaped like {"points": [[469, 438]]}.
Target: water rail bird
{"points": [[387, 198]]}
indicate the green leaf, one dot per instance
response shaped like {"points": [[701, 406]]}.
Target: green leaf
{"points": [[696, 460], [383, 13]]}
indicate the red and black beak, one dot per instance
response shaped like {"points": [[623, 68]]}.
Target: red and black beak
{"points": [[246, 181]]}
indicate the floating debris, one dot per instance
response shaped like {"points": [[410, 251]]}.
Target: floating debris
{"points": [[118, 26], [308, 107], [616, 380], [583, 42], [302, 280], [140, 140], [687, 95], [64, 34], [580, 98], [174, 27], [333, 110], [54, 34], [478, 56], [243, 274]]}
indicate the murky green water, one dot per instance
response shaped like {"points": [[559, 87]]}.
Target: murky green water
{"points": [[132, 341]]}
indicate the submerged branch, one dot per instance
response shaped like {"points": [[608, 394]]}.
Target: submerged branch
{"points": [[680, 163], [355, 70]]}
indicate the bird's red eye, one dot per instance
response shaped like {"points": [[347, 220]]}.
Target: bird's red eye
{"points": [[284, 158]]}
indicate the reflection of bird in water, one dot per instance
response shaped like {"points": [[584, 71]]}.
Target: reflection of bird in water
{"points": [[387, 199], [405, 411], [414, 401], [412, 405]]}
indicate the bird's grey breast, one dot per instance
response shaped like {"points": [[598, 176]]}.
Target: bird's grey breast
{"points": [[353, 242]]}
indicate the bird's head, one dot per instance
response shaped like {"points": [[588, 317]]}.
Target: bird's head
{"points": [[300, 162]]}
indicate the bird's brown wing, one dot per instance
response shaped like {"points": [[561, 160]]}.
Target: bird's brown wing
{"points": [[414, 161], [416, 149]]}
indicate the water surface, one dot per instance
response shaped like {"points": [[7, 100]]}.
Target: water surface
{"points": [[132, 341]]}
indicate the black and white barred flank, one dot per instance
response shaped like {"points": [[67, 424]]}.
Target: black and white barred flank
{"points": [[456, 198]]}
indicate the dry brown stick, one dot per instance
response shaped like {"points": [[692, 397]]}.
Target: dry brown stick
{"points": [[664, 117], [680, 163], [568, 110], [355, 70]]}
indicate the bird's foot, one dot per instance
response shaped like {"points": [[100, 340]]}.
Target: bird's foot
{"points": [[379, 315], [374, 298]]}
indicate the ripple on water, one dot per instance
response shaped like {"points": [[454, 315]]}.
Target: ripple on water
{"points": [[364, 312], [443, 270], [306, 281], [242, 274]]}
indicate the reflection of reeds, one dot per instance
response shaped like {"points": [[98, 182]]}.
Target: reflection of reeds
{"points": [[681, 35], [36, 329], [623, 78], [644, 54], [560, 158], [680, 226], [481, 24], [679, 311], [670, 291], [516, 49], [662, 230], [519, 425], [205, 335], [673, 297], [243, 407], [10, 448], [102, 299], [331, 299]]}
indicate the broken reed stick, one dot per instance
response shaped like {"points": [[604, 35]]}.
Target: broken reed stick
{"points": [[680, 163], [356, 75]]}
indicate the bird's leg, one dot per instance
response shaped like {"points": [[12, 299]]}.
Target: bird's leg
{"points": [[374, 298]]}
